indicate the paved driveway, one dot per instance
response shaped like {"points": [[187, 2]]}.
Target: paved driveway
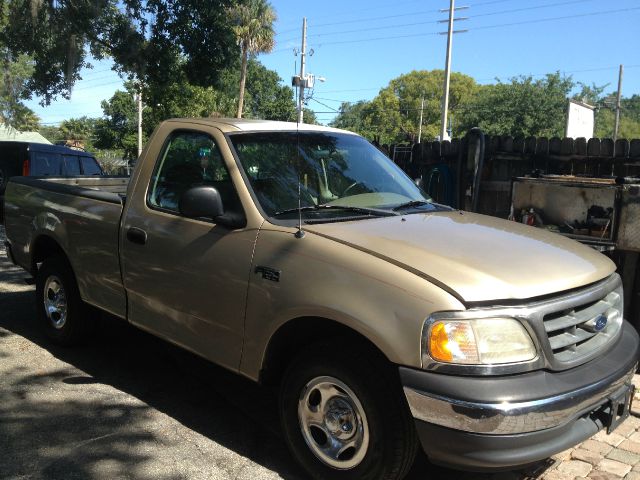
{"points": [[129, 406]]}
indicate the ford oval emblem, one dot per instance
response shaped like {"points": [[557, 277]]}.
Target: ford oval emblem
{"points": [[601, 322]]}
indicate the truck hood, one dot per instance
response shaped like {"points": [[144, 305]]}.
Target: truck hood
{"points": [[477, 257]]}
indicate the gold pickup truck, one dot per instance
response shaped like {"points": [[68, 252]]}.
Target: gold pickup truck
{"points": [[300, 256]]}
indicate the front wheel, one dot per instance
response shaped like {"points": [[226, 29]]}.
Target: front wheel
{"points": [[343, 418]]}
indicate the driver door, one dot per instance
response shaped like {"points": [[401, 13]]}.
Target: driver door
{"points": [[186, 278]]}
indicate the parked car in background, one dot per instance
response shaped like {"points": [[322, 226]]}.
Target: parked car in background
{"points": [[41, 159]]}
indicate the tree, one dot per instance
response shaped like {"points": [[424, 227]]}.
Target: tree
{"points": [[605, 111], [522, 107], [153, 41], [79, 129], [22, 118], [51, 133], [394, 114], [605, 123], [16, 70], [265, 95], [253, 27], [356, 117], [117, 130]]}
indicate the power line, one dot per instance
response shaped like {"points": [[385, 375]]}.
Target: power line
{"points": [[325, 105], [351, 90], [102, 78], [369, 8], [549, 19], [413, 24], [394, 6], [96, 86], [91, 71], [425, 34]]}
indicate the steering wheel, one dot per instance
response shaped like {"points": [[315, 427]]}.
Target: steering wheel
{"points": [[344, 192]]}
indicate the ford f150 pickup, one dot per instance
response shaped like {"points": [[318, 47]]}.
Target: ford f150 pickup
{"points": [[300, 256]]}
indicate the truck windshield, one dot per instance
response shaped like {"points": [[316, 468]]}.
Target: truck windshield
{"points": [[336, 175]]}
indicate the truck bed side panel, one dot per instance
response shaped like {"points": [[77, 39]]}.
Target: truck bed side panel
{"points": [[84, 224]]}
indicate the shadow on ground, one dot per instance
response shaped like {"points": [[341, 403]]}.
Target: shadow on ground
{"points": [[82, 437]]}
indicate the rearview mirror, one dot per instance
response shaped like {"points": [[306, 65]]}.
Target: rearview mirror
{"points": [[201, 202]]}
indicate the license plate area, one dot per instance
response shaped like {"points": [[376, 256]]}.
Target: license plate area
{"points": [[619, 407]]}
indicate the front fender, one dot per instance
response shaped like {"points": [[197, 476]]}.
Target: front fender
{"points": [[324, 279]]}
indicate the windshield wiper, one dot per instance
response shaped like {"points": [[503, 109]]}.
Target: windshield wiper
{"points": [[411, 204], [365, 210]]}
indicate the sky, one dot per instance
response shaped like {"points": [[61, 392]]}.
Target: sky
{"points": [[361, 45]]}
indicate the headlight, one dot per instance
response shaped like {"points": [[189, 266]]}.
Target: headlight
{"points": [[478, 341]]}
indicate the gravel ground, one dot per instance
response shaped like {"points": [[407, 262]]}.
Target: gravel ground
{"points": [[129, 406]]}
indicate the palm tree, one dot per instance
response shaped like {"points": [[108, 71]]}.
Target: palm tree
{"points": [[253, 26]]}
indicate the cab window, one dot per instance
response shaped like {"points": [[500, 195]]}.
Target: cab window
{"points": [[90, 166], [71, 165], [46, 164], [189, 159]]}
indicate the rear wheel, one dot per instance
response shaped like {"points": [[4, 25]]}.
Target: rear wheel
{"points": [[344, 417], [60, 308]]}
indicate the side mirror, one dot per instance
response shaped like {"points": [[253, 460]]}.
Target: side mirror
{"points": [[201, 202]]}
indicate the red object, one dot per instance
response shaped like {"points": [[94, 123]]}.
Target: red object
{"points": [[25, 168]]}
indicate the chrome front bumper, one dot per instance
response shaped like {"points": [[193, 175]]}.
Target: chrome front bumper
{"points": [[522, 403], [507, 418]]}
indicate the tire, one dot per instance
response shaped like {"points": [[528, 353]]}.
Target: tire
{"points": [[61, 311], [352, 394]]}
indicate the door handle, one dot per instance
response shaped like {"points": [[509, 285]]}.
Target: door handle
{"points": [[137, 235]]}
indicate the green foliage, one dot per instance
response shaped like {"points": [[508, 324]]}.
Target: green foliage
{"points": [[394, 114], [267, 98], [252, 24], [51, 133], [356, 118], [22, 118], [117, 130], [522, 107], [605, 123], [13, 89], [154, 41], [253, 28], [79, 129], [629, 126]]}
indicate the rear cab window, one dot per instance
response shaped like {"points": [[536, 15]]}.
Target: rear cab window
{"points": [[90, 166], [71, 165]]}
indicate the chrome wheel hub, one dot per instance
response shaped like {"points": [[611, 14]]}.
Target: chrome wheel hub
{"points": [[333, 423], [55, 302]]}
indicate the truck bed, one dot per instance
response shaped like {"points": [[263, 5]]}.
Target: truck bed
{"points": [[81, 214], [106, 188]]}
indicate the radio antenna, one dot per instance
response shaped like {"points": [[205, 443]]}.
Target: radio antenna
{"points": [[300, 232]]}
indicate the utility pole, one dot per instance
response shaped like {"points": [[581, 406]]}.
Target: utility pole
{"points": [[617, 124], [302, 85], [139, 101], [420, 124], [447, 67]]}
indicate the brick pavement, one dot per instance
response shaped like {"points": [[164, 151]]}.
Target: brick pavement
{"points": [[601, 457]]}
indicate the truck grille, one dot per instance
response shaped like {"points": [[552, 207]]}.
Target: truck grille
{"points": [[577, 332]]}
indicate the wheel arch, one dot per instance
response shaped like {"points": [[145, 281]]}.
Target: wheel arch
{"points": [[43, 247], [294, 336]]}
